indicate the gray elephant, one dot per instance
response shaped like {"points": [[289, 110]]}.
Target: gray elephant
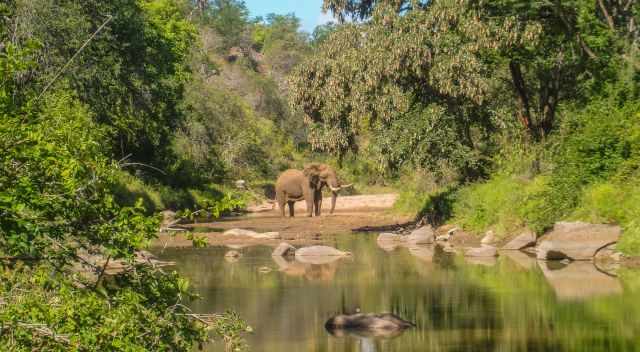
{"points": [[295, 185]]}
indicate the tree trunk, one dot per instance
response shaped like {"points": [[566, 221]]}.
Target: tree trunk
{"points": [[524, 109]]}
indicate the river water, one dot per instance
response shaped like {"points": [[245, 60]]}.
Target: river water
{"points": [[513, 303]]}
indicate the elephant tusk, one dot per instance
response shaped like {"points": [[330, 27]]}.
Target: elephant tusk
{"points": [[334, 189], [346, 186]]}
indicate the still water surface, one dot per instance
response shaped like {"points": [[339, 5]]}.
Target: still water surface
{"points": [[511, 304]]}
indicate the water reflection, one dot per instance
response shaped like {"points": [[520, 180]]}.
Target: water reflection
{"points": [[455, 305], [579, 280]]}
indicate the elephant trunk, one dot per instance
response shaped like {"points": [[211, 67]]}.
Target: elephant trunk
{"points": [[334, 196]]}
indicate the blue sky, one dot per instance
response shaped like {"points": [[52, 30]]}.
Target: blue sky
{"points": [[309, 11]]}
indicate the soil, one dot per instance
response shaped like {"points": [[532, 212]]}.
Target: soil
{"points": [[352, 214]]}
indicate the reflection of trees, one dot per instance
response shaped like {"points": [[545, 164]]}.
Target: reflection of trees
{"points": [[457, 307]]}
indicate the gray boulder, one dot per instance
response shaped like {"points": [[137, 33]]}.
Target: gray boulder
{"points": [[483, 251], [422, 235], [524, 240], [576, 240], [284, 249]]}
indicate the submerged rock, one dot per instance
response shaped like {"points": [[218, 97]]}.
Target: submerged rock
{"points": [[374, 325], [483, 251], [284, 249], [524, 240], [576, 240]]}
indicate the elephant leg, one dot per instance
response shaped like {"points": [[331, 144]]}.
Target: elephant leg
{"points": [[317, 200], [282, 201], [310, 202], [291, 204]]}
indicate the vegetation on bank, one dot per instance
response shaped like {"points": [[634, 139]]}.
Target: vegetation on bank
{"points": [[499, 114]]}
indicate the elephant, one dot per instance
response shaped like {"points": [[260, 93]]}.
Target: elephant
{"points": [[295, 185]]}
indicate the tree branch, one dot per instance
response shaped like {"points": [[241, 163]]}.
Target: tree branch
{"points": [[606, 15]]}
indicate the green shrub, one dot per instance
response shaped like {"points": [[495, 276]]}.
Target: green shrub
{"points": [[128, 190], [614, 203], [493, 204]]}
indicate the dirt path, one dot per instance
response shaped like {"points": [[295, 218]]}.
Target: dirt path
{"points": [[352, 212]]}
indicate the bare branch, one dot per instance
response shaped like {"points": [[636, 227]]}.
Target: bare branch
{"points": [[109, 18], [606, 15]]}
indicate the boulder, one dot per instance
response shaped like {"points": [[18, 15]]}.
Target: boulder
{"points": [[488, 238], [268, 236], [422, 235], [482, 251], [284, 249], [523, 240], [385, 325], [576, 240]]}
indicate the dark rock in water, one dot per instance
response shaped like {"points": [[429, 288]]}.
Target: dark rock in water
{"points": [[524, 240], [370, 324], [576, 240]]}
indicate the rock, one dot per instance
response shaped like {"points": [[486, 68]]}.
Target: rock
{"points": [[443, 238], [284, 249], [241, 184], [452, 231], [389, 241], [268, 235], [488, 238], [252, 234], [240, 232], [374, 325], [483, 251], [524, 240], [576, 240], [422, 235], [424, 253]]}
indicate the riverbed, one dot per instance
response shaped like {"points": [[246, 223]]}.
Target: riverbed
{"points": [[511, 303]]}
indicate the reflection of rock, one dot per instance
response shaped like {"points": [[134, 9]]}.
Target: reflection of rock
{"points": [[284, 249], [252, 234], [524, 240], [318, 259], [483, 251], [424, 253], [579, 280], [320, 251], [312, 272], [422, 235], [383, 325], [388, 241], [522, 259], [264, 270], [486, 261], [232, 256], [576, 240]]}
